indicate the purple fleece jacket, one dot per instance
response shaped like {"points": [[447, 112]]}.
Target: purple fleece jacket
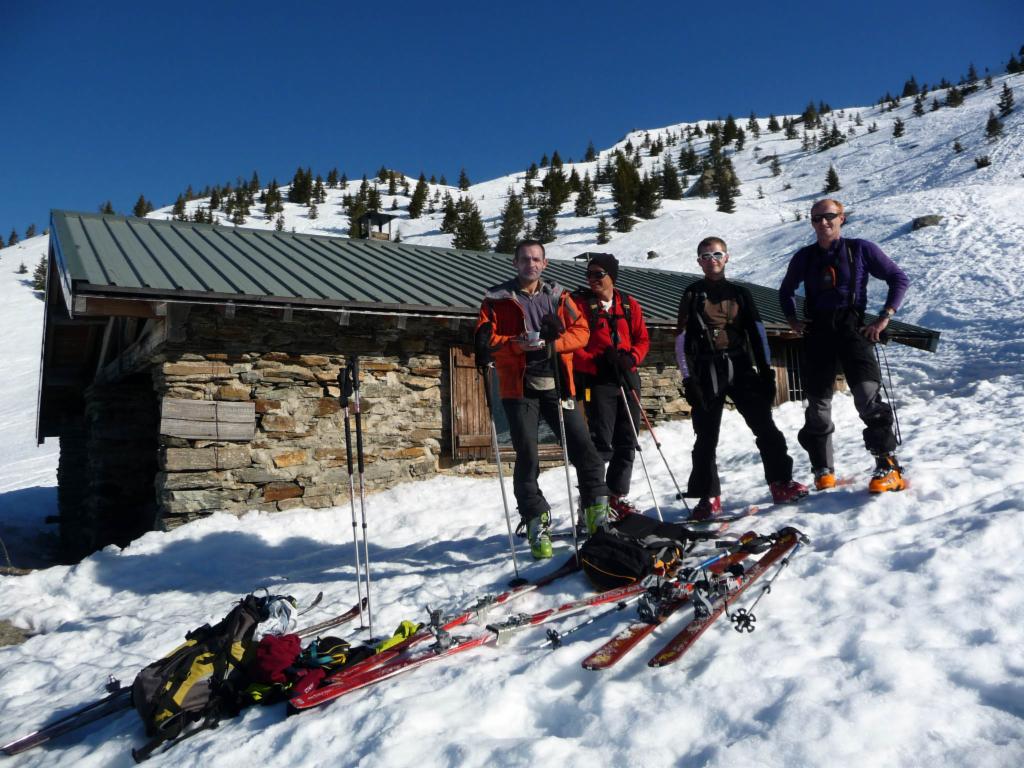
{"points": [[810, 263]]}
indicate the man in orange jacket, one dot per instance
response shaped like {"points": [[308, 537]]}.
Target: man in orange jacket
{"points": [[520, 320]]}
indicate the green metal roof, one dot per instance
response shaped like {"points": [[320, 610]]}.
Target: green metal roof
{"points": [[125, 257]]}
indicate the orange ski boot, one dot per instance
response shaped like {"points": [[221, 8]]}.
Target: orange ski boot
{"points": [[888, 475], [824, 478]]}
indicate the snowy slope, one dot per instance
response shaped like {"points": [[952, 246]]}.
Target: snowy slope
{"points": [[894, 640]]}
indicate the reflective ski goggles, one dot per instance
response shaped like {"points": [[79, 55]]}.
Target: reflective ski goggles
{"points": [[817, 218], [596, 274], [716, 255]]}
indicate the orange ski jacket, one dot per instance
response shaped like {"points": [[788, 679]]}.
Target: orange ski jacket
{"points": [[508, 320]]}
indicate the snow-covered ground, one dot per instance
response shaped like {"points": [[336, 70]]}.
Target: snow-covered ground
{"points": [[894, 640]]}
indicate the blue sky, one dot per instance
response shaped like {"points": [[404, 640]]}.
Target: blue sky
{"points": [[128, 98]]}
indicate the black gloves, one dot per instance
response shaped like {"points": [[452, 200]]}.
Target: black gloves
{"points": [[618, 360], [768, 383], [550, 328], [692, 392], [482, 346]]}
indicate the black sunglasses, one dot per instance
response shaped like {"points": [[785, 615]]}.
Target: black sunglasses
{"points": [[817, 218], [597, 274]]}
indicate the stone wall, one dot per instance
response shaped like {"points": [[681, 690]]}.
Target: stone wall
{"points": [[289, 370]]}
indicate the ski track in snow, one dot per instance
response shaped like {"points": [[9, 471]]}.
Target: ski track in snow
{"points": [[893, 640]]}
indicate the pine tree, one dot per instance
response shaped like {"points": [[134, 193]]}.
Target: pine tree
{"points": [[512, 221], [469, 232], [356, 211], [279, 223], [972, 74], [547, 222], [463, 180], [898, 128], [392, 184], [314, 212], [958, 147], [141, 207], [729, 131], [954, 97], [30, 232], [419, 198], [1013, 66], [332, 178], [556, 186], [373, 199], [591, 153], [603, 235], [107, 209], [831, 181], [670, 188], [918, 106], [910, 87], [724, 200], [776, 165], [791, 129], [39, 275], [556, 160], [22, 269], [12, 239], [178, 211], [648, 198], [625, 187], [586, 203], [254, 183], [773, 124], [451, 215], [575, 185], [1005, 100], [993, 128]]}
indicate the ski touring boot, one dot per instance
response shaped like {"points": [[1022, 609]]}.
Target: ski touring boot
{"points": [[596, 514], [706, 508], [622, 507], [824, 478], [888, 475], [786, 491], [540, 539]]}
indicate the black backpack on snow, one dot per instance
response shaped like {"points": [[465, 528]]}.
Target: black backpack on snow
{"points": [[633, 548], [199, 680]]}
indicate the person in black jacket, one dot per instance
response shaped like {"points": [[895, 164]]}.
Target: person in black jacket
{"points": [[718, 330]]}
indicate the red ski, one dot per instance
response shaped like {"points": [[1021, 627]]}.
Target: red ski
{"points": [[788, 540], [447, 645], [612, 652]]}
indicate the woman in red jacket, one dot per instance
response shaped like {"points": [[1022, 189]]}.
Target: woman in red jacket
{"points": [[606, 370]]}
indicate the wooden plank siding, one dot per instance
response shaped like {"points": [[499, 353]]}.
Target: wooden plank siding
{"points": [[207, 420]]}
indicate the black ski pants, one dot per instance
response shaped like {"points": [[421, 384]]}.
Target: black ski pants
{"points": [[524, 419], [748, 393], [610, 428], [834, 342]]}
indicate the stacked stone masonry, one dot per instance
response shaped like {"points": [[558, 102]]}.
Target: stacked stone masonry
{"points": [[289, 370]]}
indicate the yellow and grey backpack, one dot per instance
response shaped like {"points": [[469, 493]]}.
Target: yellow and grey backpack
{"points": [[199, 680]]}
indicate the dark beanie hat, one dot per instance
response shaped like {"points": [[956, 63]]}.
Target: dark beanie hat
{"points": [[607, 262]]}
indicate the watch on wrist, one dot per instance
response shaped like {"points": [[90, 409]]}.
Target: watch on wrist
{"points": [[888, 312]]}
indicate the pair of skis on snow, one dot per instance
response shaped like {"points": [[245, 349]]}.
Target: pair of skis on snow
{"points": [[711, 598], [119, 698]]}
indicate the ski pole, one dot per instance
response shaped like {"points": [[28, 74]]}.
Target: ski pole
{"points": [[889, 395], [565, 450], [353, 362], [636, 441], [486, 371], [657, 444], [345, 383]]}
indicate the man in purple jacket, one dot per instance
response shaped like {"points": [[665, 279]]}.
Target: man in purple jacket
{"points": [[835, 272]]}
